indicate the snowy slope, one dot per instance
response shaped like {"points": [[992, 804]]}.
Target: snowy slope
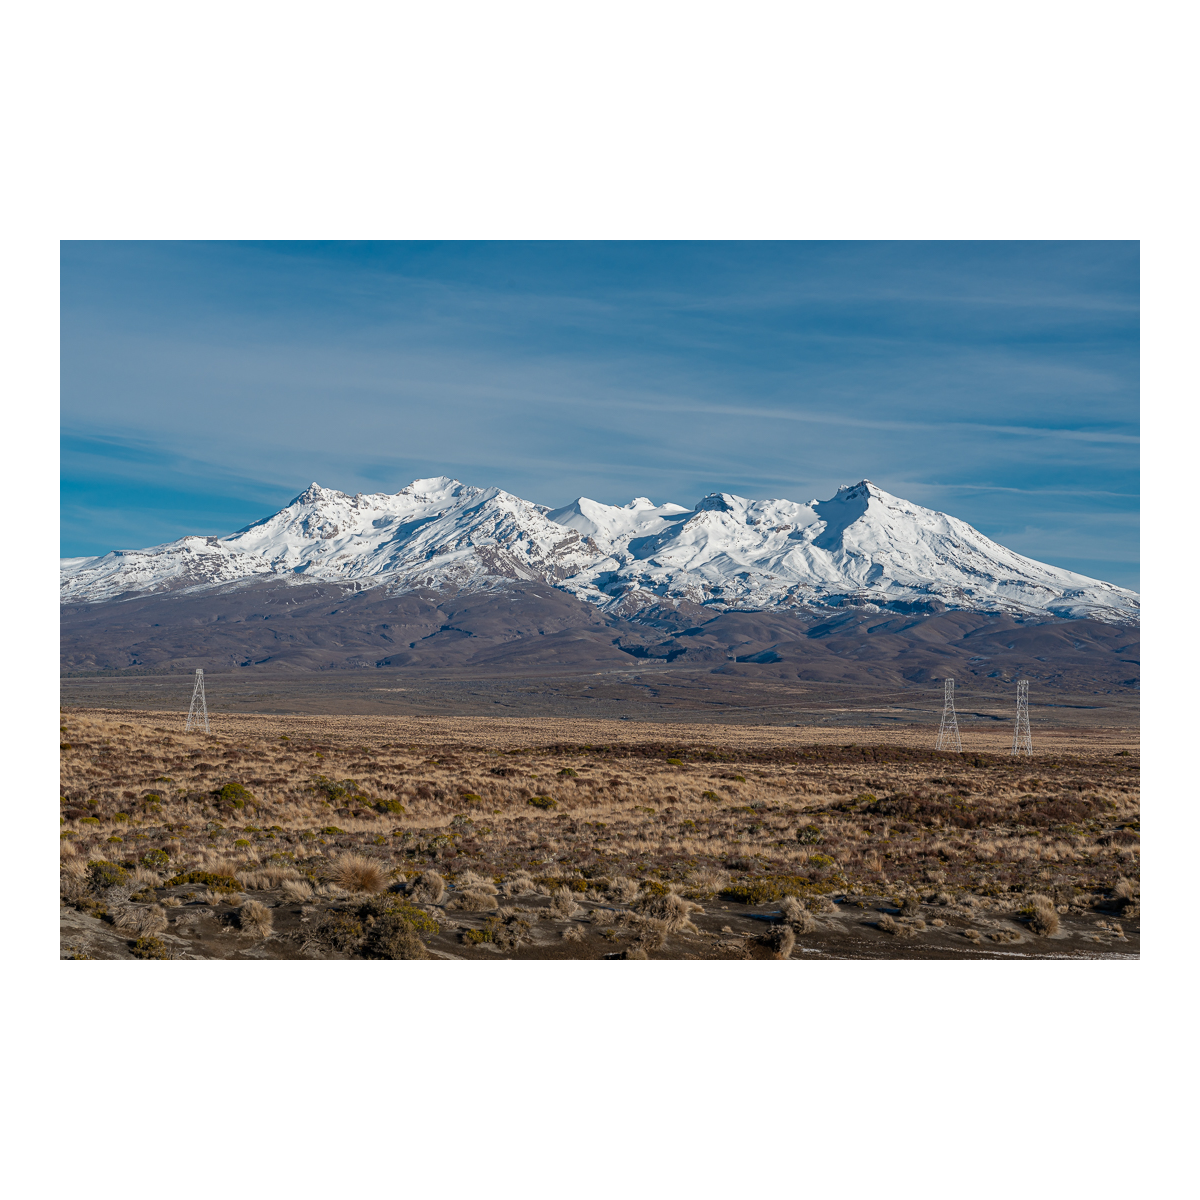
{"points": [[862, 547]]}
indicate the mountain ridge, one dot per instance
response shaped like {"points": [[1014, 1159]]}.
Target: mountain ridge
{"points": [[862, 548]]}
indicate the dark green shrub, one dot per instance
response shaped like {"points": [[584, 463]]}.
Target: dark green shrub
{"points": [[235, 794], [471, 798], [340, 930], [120, 816], [89, 820], [390, 806], [810, 835], [473, 937], [710, 795], [104, 874], [543, 802], [149, 947], [115, 839], [394, 937], [389, 904], [768, 888], [241, 841], [145, 896], [568, 773], [331, 830], [218, 883], [675, 762], [332, 790]]}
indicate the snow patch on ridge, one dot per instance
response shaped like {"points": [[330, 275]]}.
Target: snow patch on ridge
{"points": [[861, 547]]}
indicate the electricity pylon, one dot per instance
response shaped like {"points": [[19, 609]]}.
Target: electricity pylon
{"points": [[1022, 737], [199, 709], [948, 738]]}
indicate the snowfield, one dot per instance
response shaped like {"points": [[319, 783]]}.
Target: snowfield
{"points": [[863, 547]]}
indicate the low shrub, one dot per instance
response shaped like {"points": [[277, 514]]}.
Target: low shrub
{"points": [[340, 930], [566, 771], [393, 937], [235, 794], [149, 947], [392, 905], [390, 806], [155, 858], [767, 889], [218, 883], [104, 874], [543, 802]]}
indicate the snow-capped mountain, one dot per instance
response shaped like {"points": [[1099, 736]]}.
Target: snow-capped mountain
{"points": [[863, 547]]}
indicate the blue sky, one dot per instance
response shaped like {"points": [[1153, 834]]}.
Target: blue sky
{"points": [[204, 384]]}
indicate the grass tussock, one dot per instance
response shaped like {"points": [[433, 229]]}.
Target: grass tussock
{"points": [[141, 920], [255, 919], [428, 888], [1043, 919], [673, 910], [358, 873], [793, 914]]}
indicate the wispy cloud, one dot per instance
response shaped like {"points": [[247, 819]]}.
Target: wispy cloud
{"points": [[986, 375]]}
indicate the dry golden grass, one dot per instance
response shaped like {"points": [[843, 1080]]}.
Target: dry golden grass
{"points": [[357, 873], [255, 919], [323, 799], [141, 920]]}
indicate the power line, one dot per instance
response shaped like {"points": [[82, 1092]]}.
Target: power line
{"points": [[199, 709], [1022, 736], [948, 738]]}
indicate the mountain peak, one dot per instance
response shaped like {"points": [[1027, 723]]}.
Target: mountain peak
{"points": [[862, 547]]}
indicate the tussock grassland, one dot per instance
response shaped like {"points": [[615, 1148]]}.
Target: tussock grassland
{"points": [[656, 824]]}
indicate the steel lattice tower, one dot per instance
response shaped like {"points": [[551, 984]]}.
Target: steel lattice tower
{"points": [[948, 738], [1022, 737], [199, 709]]}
